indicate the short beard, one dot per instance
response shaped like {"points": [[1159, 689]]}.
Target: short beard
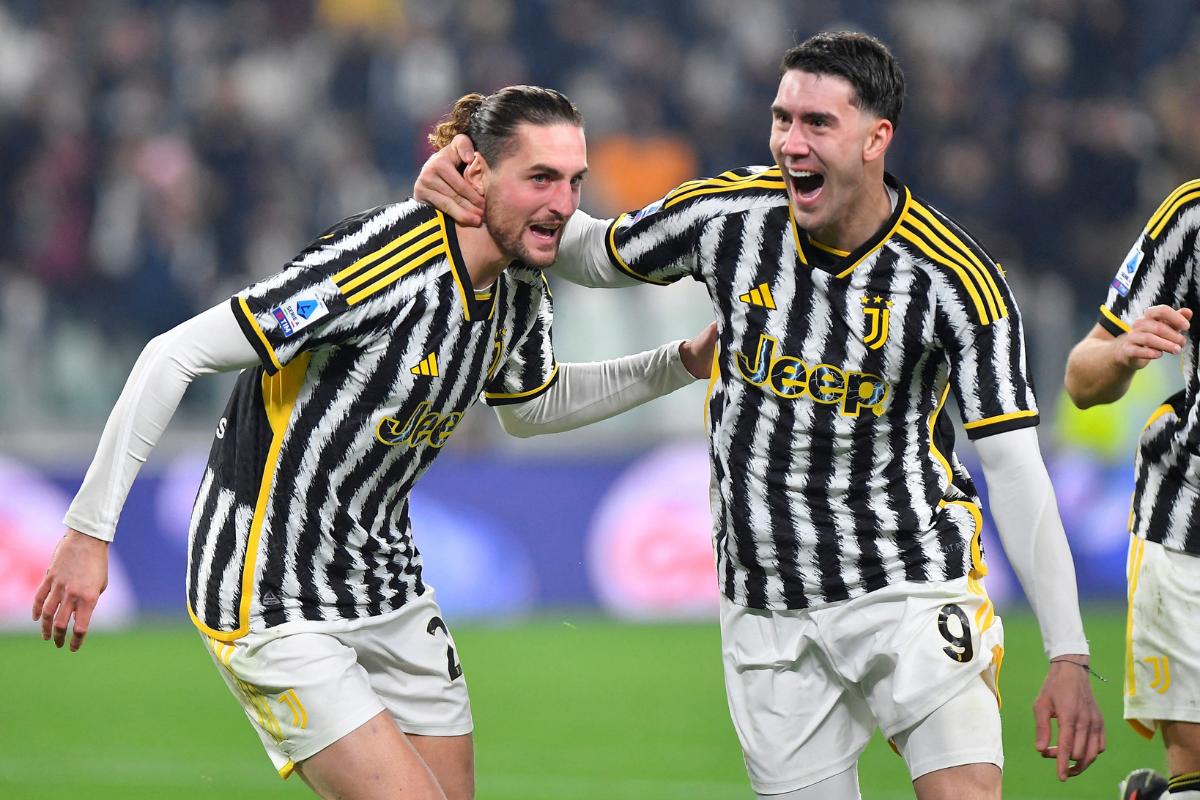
{"points": [[511, 242]]}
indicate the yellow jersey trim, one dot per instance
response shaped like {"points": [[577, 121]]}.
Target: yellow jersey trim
{"points": [[262, 337], [407, 236], [279, 398], [932, 446], [827, 248], [612, 250], [287, 769], [987, 281], [981, 423], [726, 188], [973, 280], [1177, 199], [978, 568], [713, 373], [796, 235], [885, 238], [530, 393], [1163, 410], [368, 274], [1114, 319], [1137, 551], [914, 238]]}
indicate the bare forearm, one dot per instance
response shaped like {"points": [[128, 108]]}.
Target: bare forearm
{"points": [[1095, 375]]}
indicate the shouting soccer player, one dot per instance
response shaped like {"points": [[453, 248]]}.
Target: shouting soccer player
{"points": [[847, 532], [359, 360], [1148, 314]]}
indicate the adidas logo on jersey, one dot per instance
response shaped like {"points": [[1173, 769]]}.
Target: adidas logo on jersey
{"points": [[428, 367], [790, 378], [759, 296]]}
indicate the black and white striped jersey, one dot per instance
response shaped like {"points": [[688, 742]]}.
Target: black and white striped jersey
{"points": [[1161, 269], [833, 471], [373, 343]]}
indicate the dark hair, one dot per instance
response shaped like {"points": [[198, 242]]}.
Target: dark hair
{"points": [[491, 121], [863, 60]]}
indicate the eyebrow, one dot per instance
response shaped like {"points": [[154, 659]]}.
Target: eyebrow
{"points": [[554, 172]]}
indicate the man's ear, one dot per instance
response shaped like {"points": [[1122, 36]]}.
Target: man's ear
{"points": [[477, 173], [878, 140]]}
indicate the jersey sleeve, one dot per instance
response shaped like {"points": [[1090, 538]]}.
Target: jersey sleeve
{"points": [[322, 297], [1158, 268], [980, 330], [529, 369], [658, 244]]}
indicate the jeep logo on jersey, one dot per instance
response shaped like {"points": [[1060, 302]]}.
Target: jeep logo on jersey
{"points": [[423, 426], [878, 313], [790, 378]]}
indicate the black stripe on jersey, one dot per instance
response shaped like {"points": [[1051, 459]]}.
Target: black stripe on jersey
{"points": [[980, 265], [1111, 323], [476, 309], [768, 179], [1183, 196], [905, 405], [931, 248], [420, 254], [819, 474], [1002, 424], [661, 255], [210, 615], [785, 538], [254, 335], [371, 272], [723, 295], [741, 499]]}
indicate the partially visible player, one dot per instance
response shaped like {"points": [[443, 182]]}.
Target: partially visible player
{"points": [[359, 360], [847, 532], [1146, 315]]}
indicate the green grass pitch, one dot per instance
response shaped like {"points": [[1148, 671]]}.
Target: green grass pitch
{"points": [[570, 706]]}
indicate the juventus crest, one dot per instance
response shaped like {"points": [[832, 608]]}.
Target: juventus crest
{"points": [[878, 311]]}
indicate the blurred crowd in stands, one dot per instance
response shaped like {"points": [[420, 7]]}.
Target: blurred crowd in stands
{"points": [[156, 156]]}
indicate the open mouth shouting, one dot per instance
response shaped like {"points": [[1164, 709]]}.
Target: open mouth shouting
{"points": [[546, 233], [806, 186]]}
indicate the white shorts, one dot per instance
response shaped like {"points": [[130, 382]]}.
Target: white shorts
{"points": [[808, 688], [302, 691], [1162, 653]]}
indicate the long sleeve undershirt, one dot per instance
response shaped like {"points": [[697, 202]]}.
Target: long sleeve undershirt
{"points": [[213, 342]]}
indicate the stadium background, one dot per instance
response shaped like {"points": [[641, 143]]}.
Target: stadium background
{"points": [[156, 156]]}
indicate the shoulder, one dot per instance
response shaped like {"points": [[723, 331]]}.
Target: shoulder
{"points": [[942, 247], [736, 189], [1174, 208], [367, 228]]}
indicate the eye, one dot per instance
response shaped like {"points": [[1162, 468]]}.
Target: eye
{"points": [[540, 180], [577, 180]]}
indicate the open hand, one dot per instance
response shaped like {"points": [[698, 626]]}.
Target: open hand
{"points": [[1066, 696], [78, 573], [442, 185]]}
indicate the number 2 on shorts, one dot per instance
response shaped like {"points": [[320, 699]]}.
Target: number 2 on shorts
{"points": [[452, 665], [960, 648]]}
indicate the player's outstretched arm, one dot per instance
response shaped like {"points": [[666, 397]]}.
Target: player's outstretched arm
{"points": [[78, 572], [1101, 367], [591, 392], [1026, 515]]}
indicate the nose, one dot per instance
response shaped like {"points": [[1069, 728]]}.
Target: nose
{"points": [[564, 200], [795, 143]]}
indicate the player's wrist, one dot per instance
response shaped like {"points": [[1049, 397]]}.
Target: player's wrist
{"points": [[1078, 659]]}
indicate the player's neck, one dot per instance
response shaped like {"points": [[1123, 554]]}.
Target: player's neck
{"points": [[483, 258], [861, 221]]}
